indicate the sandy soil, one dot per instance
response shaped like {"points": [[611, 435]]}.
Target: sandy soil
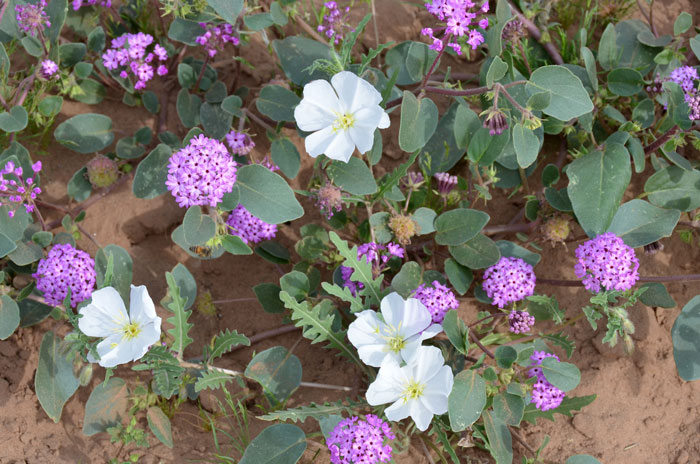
{"points": [[643, 413]]}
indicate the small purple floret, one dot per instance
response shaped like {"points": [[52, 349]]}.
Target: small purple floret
{"points": [[130, 55], [545, 395], [215, 38], [460, 18], [605, 262], [520, 322], [65, 267], [438, 299], [248, 227], [508, 281], [355, 441]]}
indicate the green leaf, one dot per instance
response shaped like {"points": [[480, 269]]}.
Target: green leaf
{"points": [[478, 253], [212, 380], [313, 410], [500, 440], [71, 53], [419, 118], [407, 279], [79, 187], [278, 15], [151, 173], [656, 295], [225, 341], [441, 153], [410, 60], [632, 53], [266, 195], [51, 105], [216, 121], [15, 120], [277, 444], [638, 223], [273, 252], [497, 70], [26, 253], [459, 276], [582, 459], [96, 40], [354, 176], [509, 408], [589, 63], [457, 331], [424, 217], [9, 317], [199, 228], [232, 105], [14, 227], [268, 297], [565, 408], [159, 424], [186, 283], [298, 53], [277, 370], [32, 46], [597, 182], [128, 148], [32, 312], [485, 148], [607, 48], [187, 107], [362, 269], [695, 45], [563, 341], [674, 188], [682, 23], [227, 9], [625, 82], [286, 156], [318, 327], [460, 225], [184, 31], [505, 356], [235, 245], [466, 123], [85, 133], [7, 245], [258, 21], [277, 103], [181, 327], [685, 335], [296, 284], [122, 269], [344, 294], [107, 406], [569, 97], [526, 144], [54, 382], [512, 250], [466, 400], [565, 376]]}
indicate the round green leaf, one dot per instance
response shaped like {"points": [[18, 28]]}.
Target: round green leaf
{"points": [[441, 153], [51, 105], [500, 439], [460, 225], [79, 187], [638, 223], [478, 253], [485, 148], [656, 295], [565, 376], [582, 459], [32, 312], [505, 356], [526, 144], [15, 120], [151, 173], [550, 175], [184, 31], [685, 335], [419, 119], [625, 82], [407, 279], [7, 245], [266, 195], [460, 277], [277, 103], [199, 228], [354, 176], [85, 133], [569, 97], [188, 108], [513, 250], [107, 405], [227, 9], [277, 370], [509, 408], [216, 122], [425, 218], [466, 400], [296, 284], [9, 316], [54, 382], [277, 444], [269, 297], [673, 187], [297, 54], [285, 155]]}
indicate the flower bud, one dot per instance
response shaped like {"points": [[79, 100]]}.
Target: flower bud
{"points": [[102, 171], [496, 121], [85, 375]]}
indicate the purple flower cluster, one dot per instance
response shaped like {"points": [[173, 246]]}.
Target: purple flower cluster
{"points": [[438, 299], [78, 4], [545, 395], [459, 17], [446, 183], [334, 22], [508, 281], [240, 143], [201, 173], [48, 69], [329, 200], [65, 268], [606, 262], [355, 441], [17, 189], [130, 52], [248, 227], [215, 38], [686, 77], [32, 19], [520, 322], [377, 255]]}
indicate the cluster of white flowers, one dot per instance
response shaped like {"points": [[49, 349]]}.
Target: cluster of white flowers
{"points": [[411, 376]]}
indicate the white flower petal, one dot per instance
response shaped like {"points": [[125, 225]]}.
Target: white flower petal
{"points": [[310, 117], [150, 334], [336, 145], [421, 415], [426, 363], [320, 103], [374, 355], [362, 138], [384, 122], [387, 386], [113, 351], [434, 402], [411, 346], [141, 309], [369, 117], [104, 314], [431, 331], [399, 410], [392, 307], [355, 92]]}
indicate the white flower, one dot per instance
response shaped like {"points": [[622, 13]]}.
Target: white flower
{"points": [[341, 117], [405, 324], [127, 336], [419, 389]]}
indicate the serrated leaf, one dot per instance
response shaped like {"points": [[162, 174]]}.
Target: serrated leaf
{"points": [[362, 269], [313, 411], [212, 380], [344, 294], [563, 341], [225, 341], [179, 320]]}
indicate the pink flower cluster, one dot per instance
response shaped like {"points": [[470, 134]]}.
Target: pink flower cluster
{"points": [[508, 281], [65, 268], [248, 227], [201, 173], [355, 441], [520, 322], [215, 38], [545, 395], [240, 143], [686, 77], [17, 189], [130, 53], [334, 22], [32, 19], [78, 4], [460, 18], [606, 262], [438, 299]]}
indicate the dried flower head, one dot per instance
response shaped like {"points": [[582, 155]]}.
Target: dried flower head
{"points": [[653, 248], [102, 171], [545, 395], [508, 281], [403, 227], [413, 180], [605, 262], [438, 299], [556, 229], [513, 30], [32, 18], [248, 227], [201, 173], [355, 441], [329, 200], [65, 268]]}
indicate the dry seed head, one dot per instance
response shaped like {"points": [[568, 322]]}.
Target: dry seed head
{"points": [[102, 171], [403, 227]]}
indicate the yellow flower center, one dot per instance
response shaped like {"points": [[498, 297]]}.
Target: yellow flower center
{"points": [[343, 122], [131, 330], [396, 344], [413, 391]]}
